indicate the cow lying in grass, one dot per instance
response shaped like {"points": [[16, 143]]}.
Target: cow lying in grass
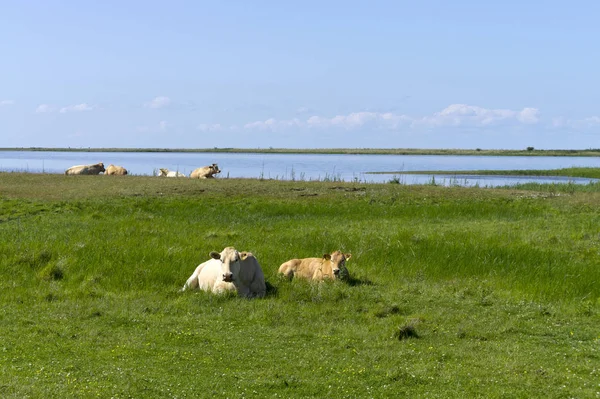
{"points": [[163, 172], [205, 172], [330, 266], [115, 170], [94, 169], [229, 270]]}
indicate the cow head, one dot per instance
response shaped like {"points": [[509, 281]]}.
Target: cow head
{"points": [[214, 168], [230, 263], [338, 262], [162, 172], [101, 167]]}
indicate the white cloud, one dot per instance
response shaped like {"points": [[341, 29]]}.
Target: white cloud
{"points": [[577, 124], [273, 124], [44, 108], [290, 123], [158, 102], [529, 115], [359, 119], [470, 115], [317, 121], [303, 110], [351, 121], [76, 108], [592, 121], [559, 122], [585, 123], [160, 127], [453, 115], [268, 124], [6, 103], [395, 120]]}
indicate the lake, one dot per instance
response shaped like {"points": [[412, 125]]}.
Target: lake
{"points": [[308, 166]]}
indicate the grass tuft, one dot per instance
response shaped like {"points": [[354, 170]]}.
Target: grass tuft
{"points": [[51, 272], [406, 331], [388, 311]]}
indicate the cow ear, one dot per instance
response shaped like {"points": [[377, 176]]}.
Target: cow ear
{"points": [[243, 255], [327, 256], [348, 256], [215, 255]]}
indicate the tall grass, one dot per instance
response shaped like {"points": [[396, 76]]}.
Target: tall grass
{"points": [[444, 236]]}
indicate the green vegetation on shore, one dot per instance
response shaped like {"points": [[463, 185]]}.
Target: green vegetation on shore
{"points": [[365, 151], [592, 173], [455, 292]]}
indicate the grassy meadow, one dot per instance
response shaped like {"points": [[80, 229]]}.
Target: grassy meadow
{"points": [[454, 292]]}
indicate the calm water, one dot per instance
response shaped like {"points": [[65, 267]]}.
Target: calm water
{"points": [[306, 166]]}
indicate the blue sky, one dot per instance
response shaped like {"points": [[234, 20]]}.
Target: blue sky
{"points": [[300, 74]]}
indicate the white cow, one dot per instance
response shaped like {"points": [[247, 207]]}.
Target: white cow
{"points": [[162, 172], [228, 271]]}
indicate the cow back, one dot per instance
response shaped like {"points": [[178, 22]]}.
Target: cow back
{"points": [[115, 170], [200, 173], [209, 275], [74, 170]]}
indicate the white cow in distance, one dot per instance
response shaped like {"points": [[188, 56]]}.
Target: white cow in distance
{"points": [[163, 172], [229, 270]]}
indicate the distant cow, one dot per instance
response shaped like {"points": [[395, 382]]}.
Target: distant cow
{"points": [[229, 270], [94, 169], [115, 170], [163, 172], [205, 172], [330, 266]]}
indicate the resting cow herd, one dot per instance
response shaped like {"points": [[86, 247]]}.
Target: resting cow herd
{"points": [[231, 271], [205, 172]]}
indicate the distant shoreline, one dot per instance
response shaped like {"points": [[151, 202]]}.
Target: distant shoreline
{"points": [[349, 151]]}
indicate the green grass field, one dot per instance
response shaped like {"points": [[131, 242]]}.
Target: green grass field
{"points": [[454, 292]]}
